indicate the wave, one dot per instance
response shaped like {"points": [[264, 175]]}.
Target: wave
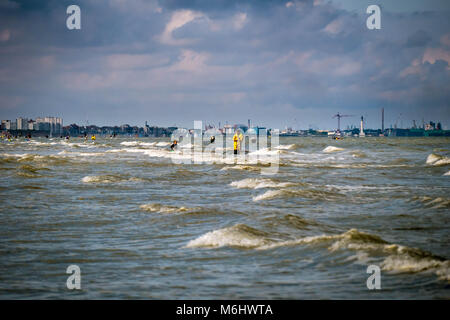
{"points": [[130, 143], [292, 221], [241, 167], [359, 154], [307, 193], [265, 152], [29, 171], [434, 203], [239, 235], [396, 258], [138, 143], [156, 207], [447, 173], [268, 195], [437, 160], [109, 178], [253, 183], [330, 149], [286, 146], [33, 158], [162, 144]]}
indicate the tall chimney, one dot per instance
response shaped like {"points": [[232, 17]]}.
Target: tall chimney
{"points": [[382, 120], [361, 130]]}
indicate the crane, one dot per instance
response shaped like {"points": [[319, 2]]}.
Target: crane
{"points": [[339, 116]]}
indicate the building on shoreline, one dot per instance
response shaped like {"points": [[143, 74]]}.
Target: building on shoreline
{"points": [[51, 126]]}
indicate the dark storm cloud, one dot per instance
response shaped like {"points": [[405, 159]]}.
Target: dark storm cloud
{"points": [[171, 62], [418, 39]]}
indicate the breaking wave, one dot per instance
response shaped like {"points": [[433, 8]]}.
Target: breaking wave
{"points": [[396, 258], [269, 195], [28, 157], [435, 203], [239, 235], [286, 146], [308, 193], [330, 149], [253, 183], [130, 143], [241, 167], [138, 143], [109, 178], [437, 160], [156, 207]]}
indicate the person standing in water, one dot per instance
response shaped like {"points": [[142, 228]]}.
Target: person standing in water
{"points": [[174, 144], [235, 143]]}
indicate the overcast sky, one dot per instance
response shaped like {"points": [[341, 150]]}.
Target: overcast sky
{"points": [[279, 63]]}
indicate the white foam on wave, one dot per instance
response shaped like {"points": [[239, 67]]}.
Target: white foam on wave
{"points": [[396, 258], [129, 143], [264, 152], [236, 236], [434, 203], [156, 207], [80, 154], [268, 195], [330, 149], [108, 179], [447, 173], [255, 183], [241, 167], [138, 143], [437, 160], [148, 144], [185, 145], [286, 146]]}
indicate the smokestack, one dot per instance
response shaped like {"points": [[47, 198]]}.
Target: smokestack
{"points": [[382, 119], [249, 123], [361, 130]]}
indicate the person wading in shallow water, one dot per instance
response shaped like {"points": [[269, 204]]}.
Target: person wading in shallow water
{"points": [[174, 144], [235, 143]]}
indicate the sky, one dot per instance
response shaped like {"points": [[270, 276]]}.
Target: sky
{"points": [[279, 63]]}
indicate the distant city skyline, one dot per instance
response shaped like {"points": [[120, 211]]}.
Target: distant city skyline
{"points": [[28, 123], [280, 63]]}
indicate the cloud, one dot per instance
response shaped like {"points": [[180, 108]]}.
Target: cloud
{"points": [[135, 61], [191, 61], [239, 20], [445, 40], [8, 4], [334, 27], [225, 59], [431, 55], [418, 39], [5, 35], [178, 20]]}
